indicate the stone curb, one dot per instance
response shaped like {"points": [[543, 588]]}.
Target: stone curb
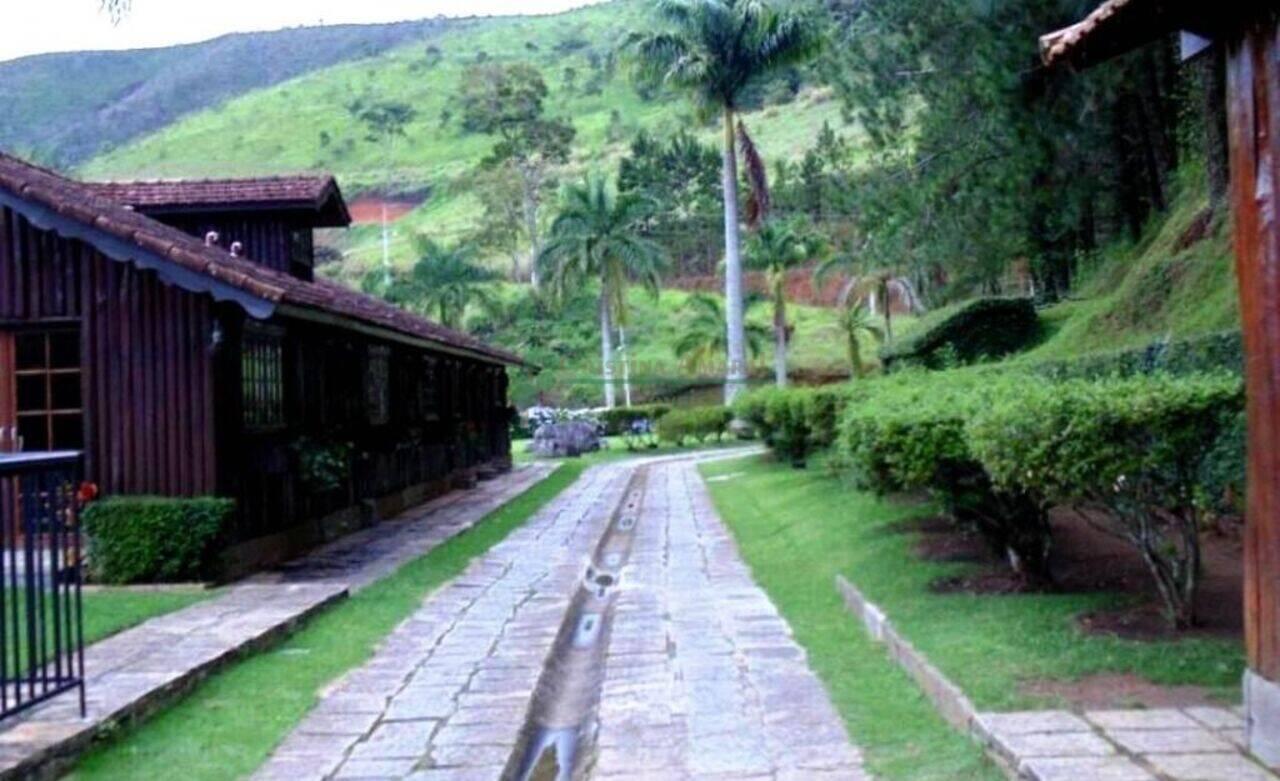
{"points": [[951, 703], [66, 745]]}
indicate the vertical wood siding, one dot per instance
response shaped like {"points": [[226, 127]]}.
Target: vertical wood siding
{"points": [[147, 374], [1253, 85]]}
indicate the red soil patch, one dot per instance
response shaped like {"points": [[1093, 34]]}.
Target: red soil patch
{"points": [[367, 210], [1086, 559]]}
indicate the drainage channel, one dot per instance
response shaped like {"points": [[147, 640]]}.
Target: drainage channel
{"points": [[554, 741]]}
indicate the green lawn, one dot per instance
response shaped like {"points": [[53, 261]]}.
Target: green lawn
{"points": [[229, 725], [799, 529]]}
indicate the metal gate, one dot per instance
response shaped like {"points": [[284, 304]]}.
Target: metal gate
{"points": [[41, 614]]}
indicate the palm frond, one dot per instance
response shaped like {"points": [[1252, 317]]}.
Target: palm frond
{"points": [[759, 199]]}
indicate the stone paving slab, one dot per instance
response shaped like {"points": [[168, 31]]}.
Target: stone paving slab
{"points": [[1165, 744], [448, 691], [703, 678], [133, 673]]}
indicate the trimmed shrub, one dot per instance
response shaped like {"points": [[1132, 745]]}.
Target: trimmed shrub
{"points": [[794, 422], [153, 539], [1222, 351], [622, 420], [974, 331], [697, 423], [1125, 453], [910, 435]]}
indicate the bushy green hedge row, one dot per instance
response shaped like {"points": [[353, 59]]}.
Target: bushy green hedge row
{"points": [[974, 331], [1132, 455], [794, 422], [1222, 351], [152, 539], [694, 423], [909, 434], [620, 420]]}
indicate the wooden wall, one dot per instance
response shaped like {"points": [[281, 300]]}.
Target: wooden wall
{"points": [[1253, 87], [267, 238], [147, 382]]}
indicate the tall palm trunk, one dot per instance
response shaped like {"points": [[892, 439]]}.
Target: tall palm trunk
{"points": [[780, 335], [606, 351], [626, 366], [736, 365]]}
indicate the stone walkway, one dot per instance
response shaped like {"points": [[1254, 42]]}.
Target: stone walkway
{"points": [[701, 679], [449, 690], [1188, 744], [132, 673]]}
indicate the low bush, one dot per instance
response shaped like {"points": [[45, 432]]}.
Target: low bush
{"points": [[910, 435], [623, 420], [151, 539], [1127, 454], [697, 423], [973, 331], [794, 422], [1222, 351]]}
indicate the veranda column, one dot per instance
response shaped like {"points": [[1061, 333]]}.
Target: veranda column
{"points": [[1253, 94]]}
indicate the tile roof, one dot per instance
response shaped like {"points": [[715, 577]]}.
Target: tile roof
{"points": [[86, 206], [1062, 44], [310, 192]]}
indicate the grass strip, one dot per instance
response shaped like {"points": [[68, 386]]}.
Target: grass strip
{"points": [[228, 726], [795, 542]]}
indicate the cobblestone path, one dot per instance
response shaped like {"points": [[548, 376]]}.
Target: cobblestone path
{"points": [[701, 678]]}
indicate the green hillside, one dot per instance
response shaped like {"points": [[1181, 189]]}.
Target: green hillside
{"points": [[305, 124], [66, 108]]}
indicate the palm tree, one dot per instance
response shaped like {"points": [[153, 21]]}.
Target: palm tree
{"points": [[701, 345], [442, 283], [715, 49], [775, 249], [595, 236], [856, 321], [878, 288]]}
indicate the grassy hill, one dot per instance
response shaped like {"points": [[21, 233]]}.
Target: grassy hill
{"points": [[304, 123], [66, 108], [1177, 280]]}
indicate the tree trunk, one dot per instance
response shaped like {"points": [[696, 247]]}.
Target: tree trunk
{"points": [[530, 198], [736, 363], [626, 366], [780, 338], [1212, 72], [606, 351]]}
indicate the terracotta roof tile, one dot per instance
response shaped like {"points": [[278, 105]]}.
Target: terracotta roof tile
{"points": [[87, 205]]}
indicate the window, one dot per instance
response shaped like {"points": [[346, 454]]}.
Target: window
{"points": [[47, 383], [302, 254], [262, 376], [377, 386]]}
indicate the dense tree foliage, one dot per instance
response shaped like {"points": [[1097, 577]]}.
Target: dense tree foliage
{"points": [[982, 156]]}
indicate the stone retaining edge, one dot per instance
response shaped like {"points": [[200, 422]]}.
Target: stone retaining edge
{"points": [[947, 698], [56, 759]]}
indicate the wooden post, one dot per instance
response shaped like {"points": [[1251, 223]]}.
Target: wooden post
{"points": [[1253, 88]]}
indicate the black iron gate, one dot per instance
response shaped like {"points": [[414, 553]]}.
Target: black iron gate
{"points": [[41, 615]]}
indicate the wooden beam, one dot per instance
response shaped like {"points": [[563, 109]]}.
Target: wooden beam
{"points": [[1253, 95]]}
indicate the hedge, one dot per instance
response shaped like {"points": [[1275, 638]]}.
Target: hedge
{"points": [[620, 420], [698, 423], [1221, 351], [910, 435], [152, 539], [976, 330], [794, 422], [1128, 454]]}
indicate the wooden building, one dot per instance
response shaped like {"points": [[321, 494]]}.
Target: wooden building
{"points": [[176, 333], [1249, 33]]}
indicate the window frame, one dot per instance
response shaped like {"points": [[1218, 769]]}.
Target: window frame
{"points": [[262, 378], [50, 412]]}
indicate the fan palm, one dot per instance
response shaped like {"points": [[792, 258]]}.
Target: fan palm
{"points": [[595, 236], [703, 334], [775, 249], [857, 322], [716, 49]]}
